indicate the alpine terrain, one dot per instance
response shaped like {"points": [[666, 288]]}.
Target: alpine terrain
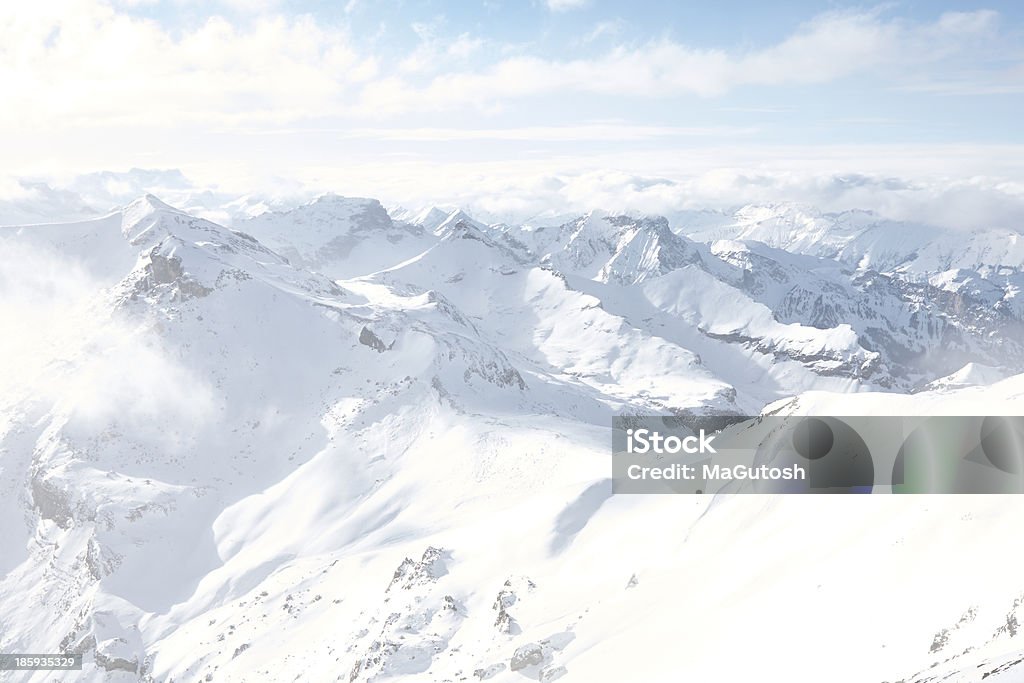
{"points": [[333, 442]]}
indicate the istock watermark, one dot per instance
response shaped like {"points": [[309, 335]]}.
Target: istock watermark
{"points": [[817, 454], [650, 441]]}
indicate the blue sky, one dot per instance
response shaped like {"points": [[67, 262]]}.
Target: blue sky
{"points": [[381, 95]]}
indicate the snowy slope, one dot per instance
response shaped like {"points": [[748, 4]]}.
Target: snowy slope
{"points": [[335, 446]]}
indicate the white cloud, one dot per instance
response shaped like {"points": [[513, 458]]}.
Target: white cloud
{"points": [[954, 186], [603, 29], [603, 132], [830, 47], [961, 186], [67, 350], [464, 46], [247, 102], [435, 51], [252, 5], [959, 204], [81, 62], [565, 5]]}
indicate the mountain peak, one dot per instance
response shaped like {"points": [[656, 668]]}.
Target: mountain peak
{"points": [[149, 202], [458, 220], [430, 218], [140, 216], [330, 199]]}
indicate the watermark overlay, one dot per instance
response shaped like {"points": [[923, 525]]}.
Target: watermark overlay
{"points": [[802, 454], [37, 662]]}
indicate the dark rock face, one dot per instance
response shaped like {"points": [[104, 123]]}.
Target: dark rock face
{"points": [[530, 654], [113, 663], [167, 272], [368, 338]]}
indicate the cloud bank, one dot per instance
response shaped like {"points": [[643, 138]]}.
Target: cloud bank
{"points": [[524, 194], [85, 62]]}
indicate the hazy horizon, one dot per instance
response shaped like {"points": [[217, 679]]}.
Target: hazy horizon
{"points": [[909, 110]]}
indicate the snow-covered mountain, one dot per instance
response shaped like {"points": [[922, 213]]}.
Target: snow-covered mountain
{"points": [[334, 444], [339, 236], [987, 262]]}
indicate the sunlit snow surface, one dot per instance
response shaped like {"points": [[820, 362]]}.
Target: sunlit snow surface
{"points": [[333, 445]]}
